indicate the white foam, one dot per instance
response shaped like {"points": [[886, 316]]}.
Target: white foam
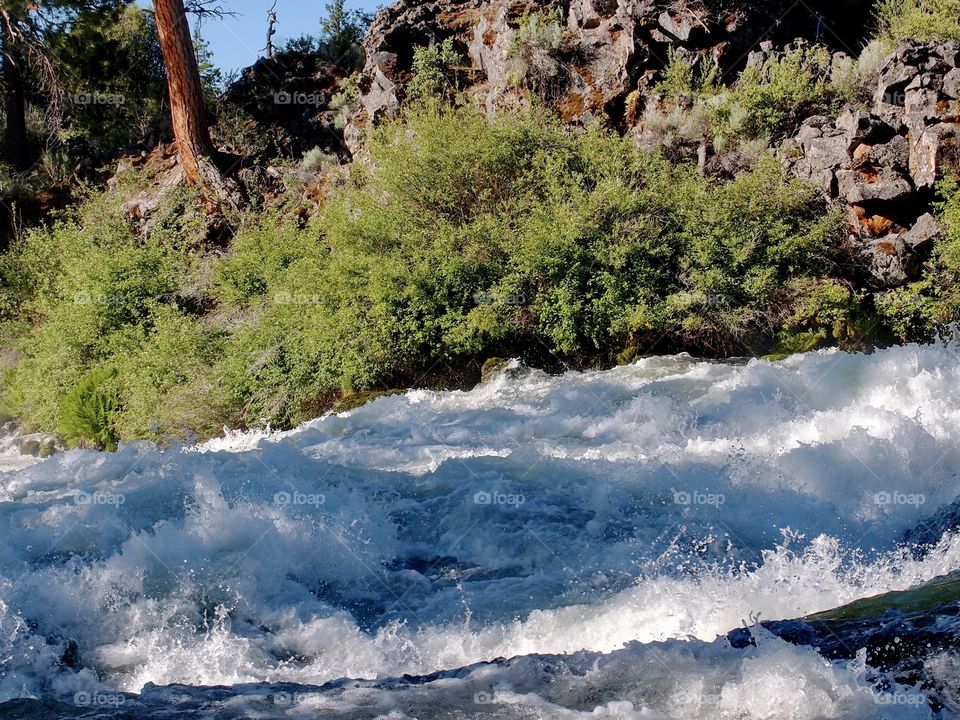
{"points": [[532, 515]]}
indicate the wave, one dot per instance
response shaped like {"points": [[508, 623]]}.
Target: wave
{"points": [[622, 521]]}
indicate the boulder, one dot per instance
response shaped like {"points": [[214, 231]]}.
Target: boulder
{"points": [[920, 237], [901, 636], [890, 262], [930, 147], [951, 84], [861, 127], [861, 186], [38, 444], [894, 154]]}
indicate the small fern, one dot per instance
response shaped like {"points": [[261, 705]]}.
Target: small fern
{"points": [[87, 411]]}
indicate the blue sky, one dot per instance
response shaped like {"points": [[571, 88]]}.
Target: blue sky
{"points": [[237, 42]]}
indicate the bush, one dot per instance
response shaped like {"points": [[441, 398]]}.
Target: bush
{"points": [[919, 19], [766, 101], [316, 159], [855, 81], [342, 34], [769, 100], [434, 71], [931, 306], [103, 301], [464, 238], [685, 80], [474, 238], [534, 47], [87, 414], [346, 101]]}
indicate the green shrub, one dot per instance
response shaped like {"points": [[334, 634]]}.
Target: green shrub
{"points": [[464, 238], [346, 101], [534, 47], [931, 305], [827, 312], [316, 159], [683, 79], [474, 237], [919, 19], [434, 71], [100, 297], [769, 100], [855, 81], [87, 412]]}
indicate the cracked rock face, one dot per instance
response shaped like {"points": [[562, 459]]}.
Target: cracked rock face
{"points": [[884, 162], [609, 48]]}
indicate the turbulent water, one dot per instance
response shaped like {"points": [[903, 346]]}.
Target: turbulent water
{"points": [[539, 547]]}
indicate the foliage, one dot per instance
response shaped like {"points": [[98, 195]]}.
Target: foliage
{"points": [[104, 300], [473, 237], [341, 34], [434, 71], [769, 100], [315, 159], [855, 81], [534, 48], [684, 79], [464, 238], [110, 86], [931, 305], [211, 78], [346, 101], [87, 413], [919, 19]]}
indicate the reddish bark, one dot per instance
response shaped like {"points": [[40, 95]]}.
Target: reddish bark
{"points": [[186, 95]]}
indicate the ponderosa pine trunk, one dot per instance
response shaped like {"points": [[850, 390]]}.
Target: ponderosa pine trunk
{"points": [[190, 127], [16, 142]]}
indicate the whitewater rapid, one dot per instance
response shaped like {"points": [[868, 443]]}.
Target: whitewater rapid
{"points": [[603, 529]]}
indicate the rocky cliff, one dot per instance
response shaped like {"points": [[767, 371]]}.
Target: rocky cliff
{"points": [[608, 48], [879, 160], [882, 163]]}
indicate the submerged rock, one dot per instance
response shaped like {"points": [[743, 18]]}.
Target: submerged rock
{"points": [[39, 444], [909, 636]]}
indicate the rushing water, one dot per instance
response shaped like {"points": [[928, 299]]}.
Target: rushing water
{"points": [[538, 547]]}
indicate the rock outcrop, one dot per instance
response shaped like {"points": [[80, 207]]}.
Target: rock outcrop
{"points": [[609, 48], [882, 163], [288, 99]]}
